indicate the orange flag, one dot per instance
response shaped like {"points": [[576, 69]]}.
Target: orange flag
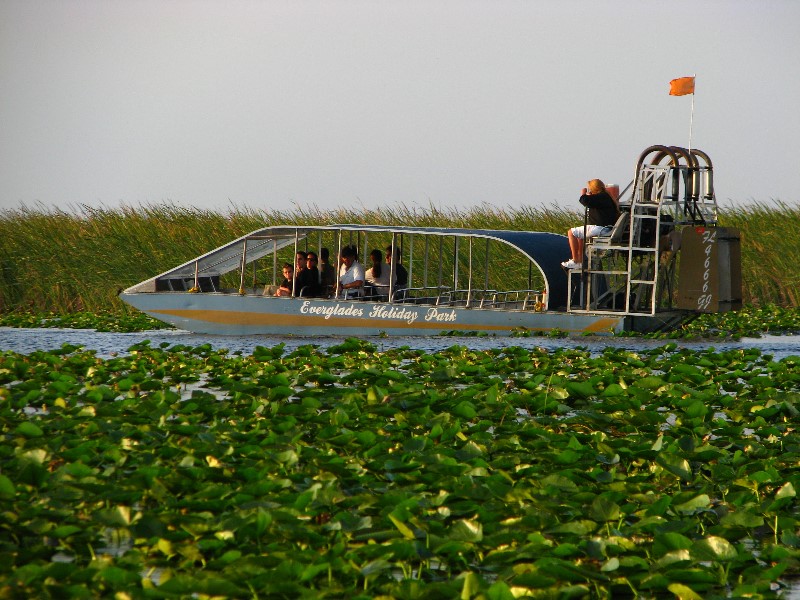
{"points": [[681, 86]]}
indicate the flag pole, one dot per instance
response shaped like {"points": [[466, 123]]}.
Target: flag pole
{"points": [[691, 114]]}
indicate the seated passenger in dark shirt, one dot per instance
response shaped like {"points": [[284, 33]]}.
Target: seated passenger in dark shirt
{"points": [[308, 285], [285, 288], [399, 270], [328, 273]]}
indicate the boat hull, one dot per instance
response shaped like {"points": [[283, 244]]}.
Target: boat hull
{"points": [[232, 314]]}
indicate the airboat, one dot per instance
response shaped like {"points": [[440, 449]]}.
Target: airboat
{"points": [[665, 261]]}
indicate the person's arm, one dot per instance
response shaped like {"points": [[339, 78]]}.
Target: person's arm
{"points": [[358, 277], [353, 284], [595, 200]]}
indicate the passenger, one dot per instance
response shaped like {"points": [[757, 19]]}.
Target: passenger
{"points": [[399, 270], [603, 213], [327, 271], [351, 275], [379, 277], [308, 285], [299, 262], [285, 288]]}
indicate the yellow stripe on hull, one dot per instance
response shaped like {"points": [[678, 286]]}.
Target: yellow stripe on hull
{"points": [[260, 319]]}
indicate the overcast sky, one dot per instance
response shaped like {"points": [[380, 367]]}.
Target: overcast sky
{"points": [[374, 103]]}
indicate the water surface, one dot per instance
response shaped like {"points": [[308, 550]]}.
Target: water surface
{"points": [[27, 340]]}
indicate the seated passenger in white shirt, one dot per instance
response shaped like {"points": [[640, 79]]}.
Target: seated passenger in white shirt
{"points": [[379, 275], [351, 275]]}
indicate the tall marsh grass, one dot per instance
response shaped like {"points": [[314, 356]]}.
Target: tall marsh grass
{"points": [[59, 261], [770, 246]]}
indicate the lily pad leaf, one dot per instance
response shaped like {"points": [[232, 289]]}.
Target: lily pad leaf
{"points": [[676, 465], [230, 556], [612, 564], [312, 571], [78, 470], [7, 489], [29, 430], [472, 585], [580, 389], [375, 566], [216, 586], [631, 563], [560, 483], [366, 438], [567, 457], [785, 491], [402, 527], [673, 559], [582, 527], [742, 518], [683, 592], [567, 571], [499, 590], [650, 382], [326, 378], [466, 530], [604, 509], [280, 392], [566, 550], [465, 409], [119, 516], [278, 380], [287, 457], [670, 541], [700, 502], [714, 548], [696, 576], [559, 393], [613, 390], [262, 521], [164, 546], [65, 531], [696, 409]]}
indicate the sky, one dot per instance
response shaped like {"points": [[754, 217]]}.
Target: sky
{"points": [[279, 105]]}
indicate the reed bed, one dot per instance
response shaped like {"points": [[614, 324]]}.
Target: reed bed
{"points": [[770, 244], [64, 261]]}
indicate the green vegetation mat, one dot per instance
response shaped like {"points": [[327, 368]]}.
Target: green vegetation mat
{"points": [[750, 321], [174, 472], [129, 321]]}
